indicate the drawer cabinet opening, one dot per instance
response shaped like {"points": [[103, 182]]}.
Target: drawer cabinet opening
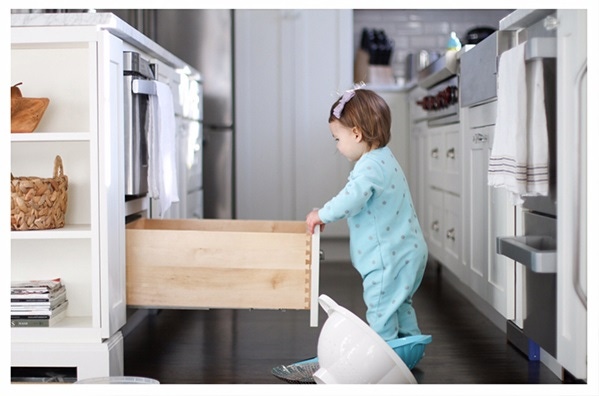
{"points": [[237, 264]]}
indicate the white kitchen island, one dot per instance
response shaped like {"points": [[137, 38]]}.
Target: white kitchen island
{"points": [[76, 60]]}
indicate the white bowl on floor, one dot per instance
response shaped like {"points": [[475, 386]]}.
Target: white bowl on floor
{"points": [[350, 352]]}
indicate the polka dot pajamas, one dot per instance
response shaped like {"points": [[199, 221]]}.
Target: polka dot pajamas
{"points": [[386, 243]]}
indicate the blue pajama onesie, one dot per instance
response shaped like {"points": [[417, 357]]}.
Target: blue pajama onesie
{"points": [[386, 243]]}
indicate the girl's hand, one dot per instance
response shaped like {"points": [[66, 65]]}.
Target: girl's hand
{"points": [[312, 220]]}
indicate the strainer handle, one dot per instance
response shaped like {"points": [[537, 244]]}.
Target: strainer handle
{"points": [[327, 304]]}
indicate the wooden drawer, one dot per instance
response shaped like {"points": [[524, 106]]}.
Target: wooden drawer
{"points": [[222, 264]]}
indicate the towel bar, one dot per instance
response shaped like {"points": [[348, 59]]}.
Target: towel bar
{"points": [[540, 48], [144, 87]]}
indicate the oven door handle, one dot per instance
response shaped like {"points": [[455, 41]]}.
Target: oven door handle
{"points": [[580, 235], [143, 87], [535, 252]]}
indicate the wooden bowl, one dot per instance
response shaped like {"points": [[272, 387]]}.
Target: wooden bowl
{"points": [[26, 113]]}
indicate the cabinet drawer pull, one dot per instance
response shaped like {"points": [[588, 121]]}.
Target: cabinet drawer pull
{"points": [[435, 226], [435, 153], [479, 138], [451, 153], [450, 234]]}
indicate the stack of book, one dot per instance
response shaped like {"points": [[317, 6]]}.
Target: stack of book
{"points": [[38, 303]]}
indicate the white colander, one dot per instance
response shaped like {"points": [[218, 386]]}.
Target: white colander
{"points": [[350, 352]]}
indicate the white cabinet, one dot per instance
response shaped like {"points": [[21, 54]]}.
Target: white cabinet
{"points": [[80, 71], [460, 215], [441, 194], [433, 220], [290, 65], [488, 213], [443, 158], [435, 183], [452, 229], [442, 217]]}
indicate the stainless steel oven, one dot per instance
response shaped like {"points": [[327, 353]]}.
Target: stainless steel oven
{"points": [[536, 248], [136, 69]]}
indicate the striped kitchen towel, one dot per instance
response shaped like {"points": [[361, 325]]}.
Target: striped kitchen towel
{"points": [[519, 160]]}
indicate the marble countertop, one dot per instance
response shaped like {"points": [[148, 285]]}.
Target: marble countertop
{"points": [[521, 19], [105, 21]]}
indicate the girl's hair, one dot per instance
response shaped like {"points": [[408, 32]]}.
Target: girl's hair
{"points": [[368, 112]]}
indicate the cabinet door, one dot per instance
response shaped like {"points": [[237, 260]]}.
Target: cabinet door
{"points": [[452, 160], [435, 156], [444, 163], [451, 231], [434, 223], [502, 270], [476, 206], [488, 214], [295, 61], [109, 165]]}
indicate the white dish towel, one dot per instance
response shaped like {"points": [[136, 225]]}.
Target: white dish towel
{"points": [[162, 166], [519, 160]]}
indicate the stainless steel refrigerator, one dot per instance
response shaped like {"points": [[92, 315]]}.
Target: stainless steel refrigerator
{"points": [[203, 38]]}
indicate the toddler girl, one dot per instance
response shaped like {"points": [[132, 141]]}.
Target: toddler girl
{"points": [[386, 243]]}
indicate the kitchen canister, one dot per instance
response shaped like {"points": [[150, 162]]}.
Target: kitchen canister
{"points": [[39, 203]]}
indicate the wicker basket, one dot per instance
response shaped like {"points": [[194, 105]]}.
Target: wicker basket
{"points": [[38, 203]]}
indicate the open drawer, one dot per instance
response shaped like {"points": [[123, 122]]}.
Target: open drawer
{"points": [[241, 264]]}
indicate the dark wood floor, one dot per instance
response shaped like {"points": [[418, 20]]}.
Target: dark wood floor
{"points": [[242, 346]]}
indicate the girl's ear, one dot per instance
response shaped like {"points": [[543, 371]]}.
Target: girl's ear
{"points": [[357, 134]]}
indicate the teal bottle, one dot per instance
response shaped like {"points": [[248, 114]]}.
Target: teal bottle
{"points": [[454, 43]]}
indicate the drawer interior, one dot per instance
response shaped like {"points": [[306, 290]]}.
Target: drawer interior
{"points": [[192, 263]]}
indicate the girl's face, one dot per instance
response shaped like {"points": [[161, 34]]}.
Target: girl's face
{"points": [[349, 141]]}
